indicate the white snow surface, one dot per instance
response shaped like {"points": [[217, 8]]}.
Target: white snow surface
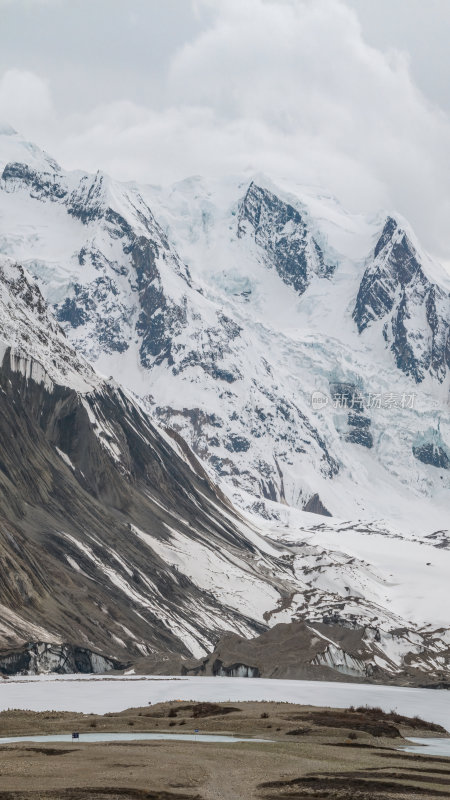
{"points": [[100, 695], [406, 575], [223, 574]]}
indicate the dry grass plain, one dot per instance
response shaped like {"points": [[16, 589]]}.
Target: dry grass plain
{"points": [[314, 754]]}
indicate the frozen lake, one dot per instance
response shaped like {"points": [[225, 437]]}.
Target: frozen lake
{"points": [[100, 694], [429, 747]]}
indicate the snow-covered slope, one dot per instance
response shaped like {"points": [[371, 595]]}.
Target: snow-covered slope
{"points": [[94, 497]]}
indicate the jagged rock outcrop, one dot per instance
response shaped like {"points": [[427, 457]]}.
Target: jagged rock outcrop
{"points": [[284, 237], [315, 506], [348, 396], [433, 454], [41, 185], [416, 311]]}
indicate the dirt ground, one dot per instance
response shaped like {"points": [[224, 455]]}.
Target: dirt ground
{"points": [[313, 754]]}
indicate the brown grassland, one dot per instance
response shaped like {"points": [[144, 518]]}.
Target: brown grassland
{"points": [[313, 754]]}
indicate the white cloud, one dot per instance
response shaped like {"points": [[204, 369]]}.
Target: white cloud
{"points": [[329, 101], [288, 87], [25, 99]]}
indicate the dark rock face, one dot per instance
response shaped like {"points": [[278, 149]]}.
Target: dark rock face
{"points": [[36, 657], [315, 506], [390, 226], [41, 185], [348, 396], [394, 266], [432, 454], [70, 311], [237, 444], [159, 319], [284, 237], [359, 432], [416, 311], [360, 436], [86, 202], [86, 305]]}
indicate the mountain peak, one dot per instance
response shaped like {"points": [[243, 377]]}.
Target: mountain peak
{"points": [[7, 130]]}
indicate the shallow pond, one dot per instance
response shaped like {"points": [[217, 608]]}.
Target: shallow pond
{"points": [[430, 747], [87, 738]]}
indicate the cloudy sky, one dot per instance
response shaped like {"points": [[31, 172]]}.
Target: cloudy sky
{"points": [[349, 94]]}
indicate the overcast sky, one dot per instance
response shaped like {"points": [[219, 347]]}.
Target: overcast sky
{"points": [[350, 94]]}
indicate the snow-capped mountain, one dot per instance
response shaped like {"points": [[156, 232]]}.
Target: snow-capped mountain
{"points": [[302, 352], [227, 306]]}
